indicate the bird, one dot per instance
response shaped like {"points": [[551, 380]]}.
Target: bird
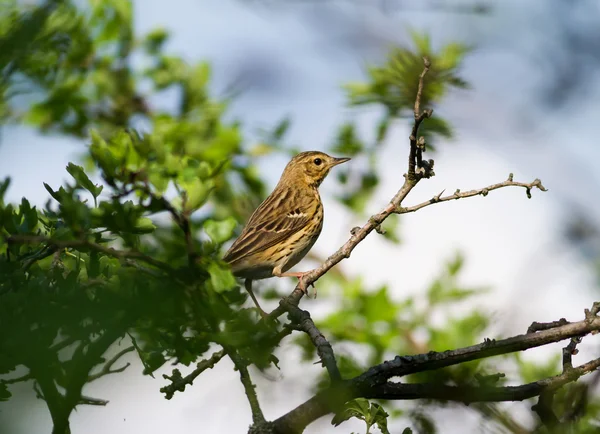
{"points": [[285, 226]]}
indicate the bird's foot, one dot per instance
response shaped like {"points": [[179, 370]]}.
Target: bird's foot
{"points": [[302, 284], [300, 275]]}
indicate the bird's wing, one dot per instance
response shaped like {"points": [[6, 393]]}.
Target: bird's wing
{"points": [[276, 219]]}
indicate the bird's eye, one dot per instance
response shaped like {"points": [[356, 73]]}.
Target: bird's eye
{"points": [[318, 161]]}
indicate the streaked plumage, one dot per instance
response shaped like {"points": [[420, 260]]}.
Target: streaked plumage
{"points": [[286, 225]]}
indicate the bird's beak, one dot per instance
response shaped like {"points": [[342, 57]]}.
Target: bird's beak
{"points": [[337, 161]]}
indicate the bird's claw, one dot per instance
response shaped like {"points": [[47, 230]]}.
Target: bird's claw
{"points": [[304, 289]]}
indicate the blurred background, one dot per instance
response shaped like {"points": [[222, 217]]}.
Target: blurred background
{"points": [[531, 109]]}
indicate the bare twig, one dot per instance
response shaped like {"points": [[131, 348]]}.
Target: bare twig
{"points": [[20, 379], [417, 144], [538, 326], [87, 400], [106, 369], [178, 382], [568, 352], [481, 191]]}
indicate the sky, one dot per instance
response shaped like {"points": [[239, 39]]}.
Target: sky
{"points": [[294, 58]]}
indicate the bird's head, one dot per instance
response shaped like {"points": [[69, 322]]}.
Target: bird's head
{"points": [[310, 167]]}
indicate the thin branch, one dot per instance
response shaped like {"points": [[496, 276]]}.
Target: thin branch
{"points": [[415, 156], [417, 110], [106, 369], [405, 365], [568, 352], [469, 394], [539, 326], [257, 415], [85, 244], [63, 344], [178, 382], [87, 400], [20, 379], [305, 323], [481, 191]]}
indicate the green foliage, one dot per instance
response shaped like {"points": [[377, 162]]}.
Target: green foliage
{"points": [[369, 412], [395, 84], [97, 272]]}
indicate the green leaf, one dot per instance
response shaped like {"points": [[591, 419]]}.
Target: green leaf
{"points": [[370, 413], [382, 129], [155, 40], [197, 193], [358, 408], [379, 417], [144, 226], [82, 179], [220, 231], [3, 188], [281, 129], [348, 142], [221, 279]]}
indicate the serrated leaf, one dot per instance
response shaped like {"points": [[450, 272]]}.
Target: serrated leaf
{"points": [[379, 417]]}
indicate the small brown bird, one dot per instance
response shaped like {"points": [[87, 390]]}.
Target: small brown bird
{"points": [[285, 226]]}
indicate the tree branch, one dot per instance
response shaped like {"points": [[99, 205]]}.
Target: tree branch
{"points": [[106, 369], [481, 191], [250, 389], [20, 379], [417, 145], [305, 323], [87, 400], [470, 394], [374, 383], [85, 244], [405, 365], [178, 382]]}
